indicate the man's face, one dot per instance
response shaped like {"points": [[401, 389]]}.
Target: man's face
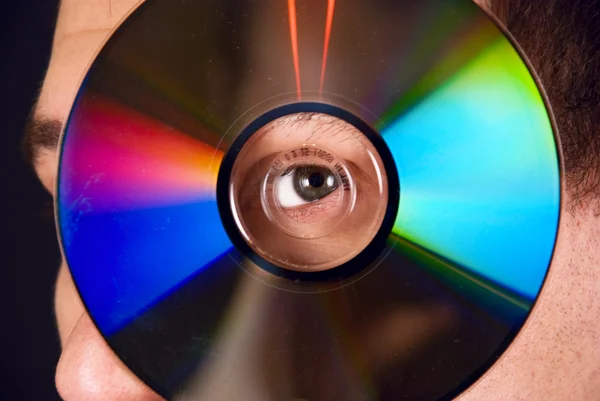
{"points": [[555, 357]]}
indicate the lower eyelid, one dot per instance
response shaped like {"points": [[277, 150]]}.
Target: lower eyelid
{"points": [[310, 212]]}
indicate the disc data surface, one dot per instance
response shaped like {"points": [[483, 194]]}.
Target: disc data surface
{"points": [[471, 243]]}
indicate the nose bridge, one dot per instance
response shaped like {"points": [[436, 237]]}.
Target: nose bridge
{"points": [[89, 370]]}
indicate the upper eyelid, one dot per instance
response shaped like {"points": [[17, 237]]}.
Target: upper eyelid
{"points": [[326, 128]]}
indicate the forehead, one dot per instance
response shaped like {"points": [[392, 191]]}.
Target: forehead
{"points": [[81, 29]]}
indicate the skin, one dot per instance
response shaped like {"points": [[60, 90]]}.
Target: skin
{"points": [[555, 357]]}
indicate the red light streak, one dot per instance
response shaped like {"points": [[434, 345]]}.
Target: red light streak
{"points": [[294, 40], [329, 23]]}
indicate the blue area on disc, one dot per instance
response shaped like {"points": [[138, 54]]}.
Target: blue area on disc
{"points": [[124, 262]]}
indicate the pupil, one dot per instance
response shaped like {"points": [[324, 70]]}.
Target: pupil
{"points": [[316, 180]]}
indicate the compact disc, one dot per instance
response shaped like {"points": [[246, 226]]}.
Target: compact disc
{"points": [[302, 199]]}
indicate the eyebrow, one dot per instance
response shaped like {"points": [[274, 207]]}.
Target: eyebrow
{"points": [[40, 134]]}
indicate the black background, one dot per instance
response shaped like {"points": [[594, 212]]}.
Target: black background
{"points": [[29, 347]]}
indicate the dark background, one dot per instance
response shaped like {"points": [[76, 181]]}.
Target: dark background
{"points": [[29, 347]]}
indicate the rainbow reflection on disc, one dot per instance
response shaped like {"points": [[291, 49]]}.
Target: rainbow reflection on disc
{"points": [[472, 241]]}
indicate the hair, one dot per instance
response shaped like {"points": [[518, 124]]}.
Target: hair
{"points": [[561, 38]]}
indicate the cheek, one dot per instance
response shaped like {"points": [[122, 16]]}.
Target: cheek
{"points": [[556, 356]]}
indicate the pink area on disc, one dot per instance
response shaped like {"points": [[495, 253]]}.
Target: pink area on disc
{"points": [[115, 158]]}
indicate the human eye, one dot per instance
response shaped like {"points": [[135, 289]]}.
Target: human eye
{"points": [[303, 192], [305, 183]]}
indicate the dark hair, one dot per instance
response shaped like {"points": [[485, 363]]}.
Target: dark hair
{"points": [[562, 40]]}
